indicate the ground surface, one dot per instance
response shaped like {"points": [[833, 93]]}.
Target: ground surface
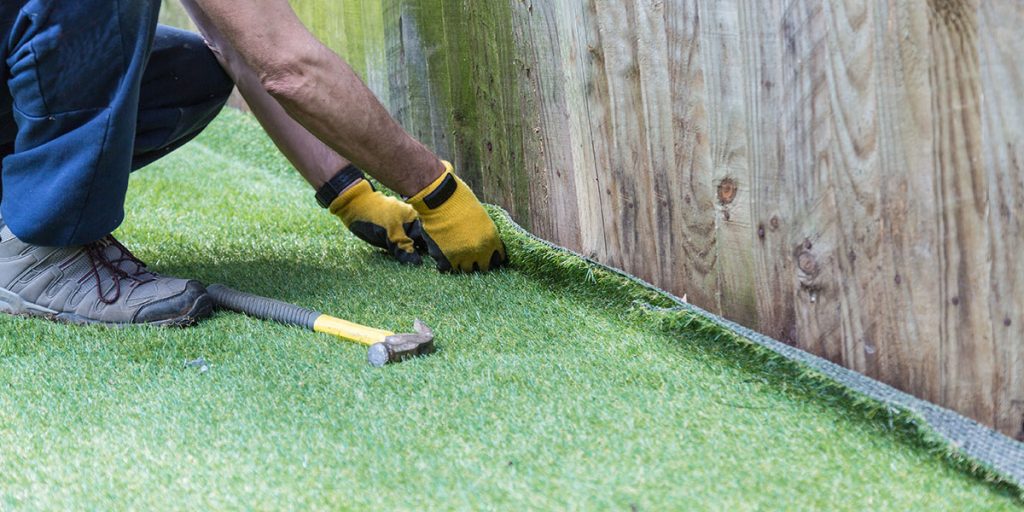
{"points": [[542, 397]]}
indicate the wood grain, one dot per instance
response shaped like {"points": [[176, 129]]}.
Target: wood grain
{"points": [[629, 162], [770, 179], [550, 173], [690, 235], [807, 131], [1002, 133], [964, 272], [909, 234], [725, 66], [581, 82]]}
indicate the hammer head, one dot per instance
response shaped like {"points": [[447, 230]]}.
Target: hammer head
{"points": [[399, 347]]}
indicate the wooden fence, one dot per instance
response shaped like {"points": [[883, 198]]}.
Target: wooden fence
{"points": [[846, 176]]}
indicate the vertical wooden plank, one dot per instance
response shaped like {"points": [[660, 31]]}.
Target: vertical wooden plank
{"points": [[582, 85], [397, 74], [407, 69], [770, 182], [908, 340], [362, 22], [868, 78], [630, 162], [655, 79], [855, 181], [348, 18], [424, 41], [547, 143], [485, 102], [327, 21], [503, 171], [806, 126], [964, 273], [354, 29], [460, 47], [1002, 111], [691, 237], [586, 91], [726, 78], [429, 17]]}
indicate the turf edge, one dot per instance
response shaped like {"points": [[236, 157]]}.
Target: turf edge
{"points": [[562, 267]]}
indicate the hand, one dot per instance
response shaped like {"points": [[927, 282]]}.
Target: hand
{"points": [[379, 220], [457, 231]]}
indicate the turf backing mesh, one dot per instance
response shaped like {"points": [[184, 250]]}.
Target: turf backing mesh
{"points": [[990, 453]]}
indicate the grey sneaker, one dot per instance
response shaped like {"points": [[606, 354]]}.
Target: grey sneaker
{"points": [[97, 283]]}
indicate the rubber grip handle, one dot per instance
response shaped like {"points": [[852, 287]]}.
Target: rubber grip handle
{"points": [[262, 307]]}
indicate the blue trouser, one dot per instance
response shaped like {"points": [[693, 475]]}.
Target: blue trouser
{"points": [[95, 89]]}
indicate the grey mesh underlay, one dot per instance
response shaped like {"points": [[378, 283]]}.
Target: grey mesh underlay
{"points": [[982, 445]]}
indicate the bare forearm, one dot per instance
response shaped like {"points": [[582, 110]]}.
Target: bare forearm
{"points": [[314, 160], [286, 68], [338, 107]]}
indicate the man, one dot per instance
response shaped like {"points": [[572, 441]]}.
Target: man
{"points": [[95, 89]]}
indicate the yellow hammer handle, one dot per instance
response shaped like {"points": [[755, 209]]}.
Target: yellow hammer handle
{"points": [[351, 331]]}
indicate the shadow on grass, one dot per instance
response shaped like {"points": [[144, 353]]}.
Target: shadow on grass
{"points": [[286, 280]]}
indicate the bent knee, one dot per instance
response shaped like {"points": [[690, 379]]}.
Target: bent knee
{"points": [[217, 61], [194, 62]]}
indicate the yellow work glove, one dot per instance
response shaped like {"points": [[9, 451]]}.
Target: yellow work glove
{"points": [[457, 231], [379, 220]]}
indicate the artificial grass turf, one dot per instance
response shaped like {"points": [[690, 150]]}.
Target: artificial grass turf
{"points": [[547, 392]]}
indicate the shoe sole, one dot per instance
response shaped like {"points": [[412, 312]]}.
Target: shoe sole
{"points": [[14, 305]]}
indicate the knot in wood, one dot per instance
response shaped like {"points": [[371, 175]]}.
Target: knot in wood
{"points": [[727, 190], [807, 263]]}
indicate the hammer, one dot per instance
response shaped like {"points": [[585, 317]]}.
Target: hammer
{"points": [[385, 346]]}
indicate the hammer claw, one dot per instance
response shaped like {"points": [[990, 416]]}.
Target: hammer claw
{"points": [[399, 347], [421, 328]]}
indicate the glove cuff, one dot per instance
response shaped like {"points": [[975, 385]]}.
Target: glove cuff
{"points": [[338, 183], [444, 188]]}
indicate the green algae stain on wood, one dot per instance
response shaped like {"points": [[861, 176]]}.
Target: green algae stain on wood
{"points": [[499, 137], [456, 86], [355, 30], [326, 20]]}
